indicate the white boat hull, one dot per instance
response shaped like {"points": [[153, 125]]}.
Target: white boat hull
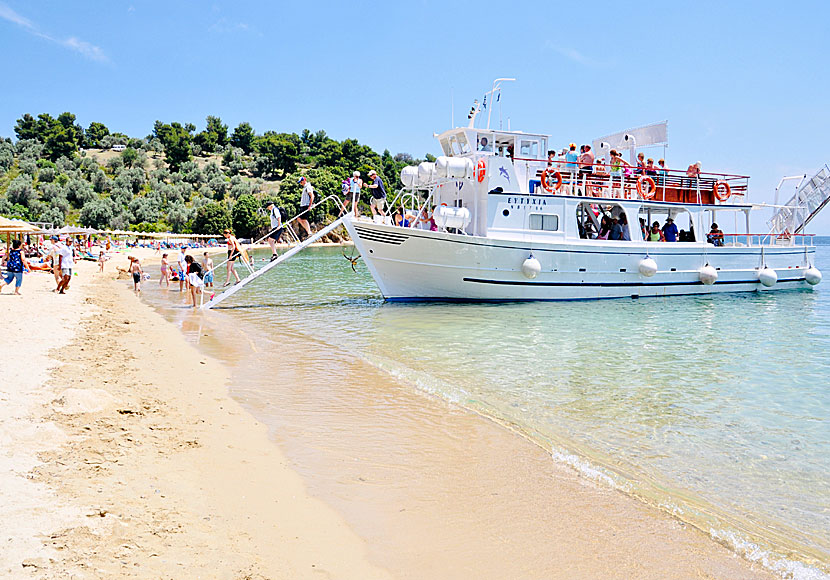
{"points": [[413, 264]]}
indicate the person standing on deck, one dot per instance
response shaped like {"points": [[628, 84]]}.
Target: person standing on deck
{"points": [[692, 175], [670, 230], [378, 194], [277, 228], [306, 200], [355, 184]]}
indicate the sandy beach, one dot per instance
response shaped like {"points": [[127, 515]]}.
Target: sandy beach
{"points": [[125, 455]]}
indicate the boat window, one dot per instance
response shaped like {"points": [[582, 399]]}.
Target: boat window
{"points": [[445, 146], [598, 221], [485, 142], [544, 221], [456, 149], [463, 143], [682, 219], [529, 149]]}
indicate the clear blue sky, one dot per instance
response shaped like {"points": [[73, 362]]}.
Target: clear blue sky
{"points": [[744, 86]]}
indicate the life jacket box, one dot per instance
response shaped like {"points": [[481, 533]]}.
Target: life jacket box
{"points": [[451, 217]]}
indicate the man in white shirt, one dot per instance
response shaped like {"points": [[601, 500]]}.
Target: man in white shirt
{"points": [[65, 262], [276, 228]]}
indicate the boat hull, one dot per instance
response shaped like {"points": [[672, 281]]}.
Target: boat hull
{"points": [[413, 264]]}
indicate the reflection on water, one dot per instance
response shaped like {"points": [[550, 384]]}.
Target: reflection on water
{"points": [[715, 407]]}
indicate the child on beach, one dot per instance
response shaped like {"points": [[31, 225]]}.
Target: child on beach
{"points": [[194, 277], [207, 268], [135, 270], [102, 257], [165, 271]]}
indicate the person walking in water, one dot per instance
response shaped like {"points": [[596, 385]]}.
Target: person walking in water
{"points": [[234, 253], [305, 203], [276, 228]]}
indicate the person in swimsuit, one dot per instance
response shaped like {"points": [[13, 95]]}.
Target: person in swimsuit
{"points": [[234, 253], [135, 270], [207, 269], [165, 271], [194, 277]]}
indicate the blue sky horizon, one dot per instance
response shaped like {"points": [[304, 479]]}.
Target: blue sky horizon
{"points": [[741, 86]]}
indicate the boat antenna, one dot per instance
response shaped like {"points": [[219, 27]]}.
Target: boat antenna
{"points": [[474, 111], [496, 87]]}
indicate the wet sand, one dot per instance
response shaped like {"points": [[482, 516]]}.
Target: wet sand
{"points": [[328, 468]]}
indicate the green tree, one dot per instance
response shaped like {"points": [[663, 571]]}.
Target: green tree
{"points": [[211, 219], [95, 133], [277, 152], [21, 191], [60, 137], [215, 134], [129, 156], [247, 220], [243, 138], [176, 140], [98, 213]]}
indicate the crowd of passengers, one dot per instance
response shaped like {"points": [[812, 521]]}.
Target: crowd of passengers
{"points": [[584, 164], [616, 228]]}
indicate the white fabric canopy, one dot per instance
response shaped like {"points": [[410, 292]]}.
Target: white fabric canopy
{"points": [[654, 134]]}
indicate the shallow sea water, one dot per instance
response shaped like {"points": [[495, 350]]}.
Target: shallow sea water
{"points": [[715, 408]]}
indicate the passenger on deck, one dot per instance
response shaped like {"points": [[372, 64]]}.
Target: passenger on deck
{"points": [[616, 229], [600, 168], [644, 228], [551, 159], [484, 144], [626, 233], [604, 228], [715, 236], [586, 162], [670, 231], [655, 235], [662, 172], [641, 166], [401, 219], [588, 229], [572, 158], [651, 171], [692, 175]]}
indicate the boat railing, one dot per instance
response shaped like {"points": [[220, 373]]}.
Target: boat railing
{"points": [[288, 226], [630, 182], [767, 239]]}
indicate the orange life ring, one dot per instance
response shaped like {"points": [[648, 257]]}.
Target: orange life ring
{"points": [[546, 185], [481, 170], [726, 195], [652, 187]]}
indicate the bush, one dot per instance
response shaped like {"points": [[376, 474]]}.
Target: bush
{"points": [[246, 217], [21, 191], [98, 213], [211, 218]]}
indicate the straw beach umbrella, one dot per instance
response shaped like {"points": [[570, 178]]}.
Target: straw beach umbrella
{"points": [[15, 226]]}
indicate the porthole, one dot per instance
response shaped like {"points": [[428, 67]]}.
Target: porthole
{"points": [[505, 213]]}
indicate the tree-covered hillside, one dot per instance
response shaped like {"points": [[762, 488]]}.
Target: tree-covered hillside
{"points": [[174, 179]]}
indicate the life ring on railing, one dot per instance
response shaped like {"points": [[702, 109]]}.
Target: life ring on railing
{"points": [[652, 187], [546, 185], [481, 170], [726, 186]]}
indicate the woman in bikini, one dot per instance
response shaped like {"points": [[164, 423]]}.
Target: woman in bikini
{"points": [[234, 253], [165, 271]]}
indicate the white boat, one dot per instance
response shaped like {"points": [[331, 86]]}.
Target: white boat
{"points": [[494, 219]]}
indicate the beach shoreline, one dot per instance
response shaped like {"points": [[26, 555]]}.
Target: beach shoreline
{"points": [[159, 471]]}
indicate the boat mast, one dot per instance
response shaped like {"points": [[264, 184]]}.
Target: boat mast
{"points": [[496, 87]]}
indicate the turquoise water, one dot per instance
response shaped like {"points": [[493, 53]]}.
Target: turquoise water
{"points": [[715, 408]]}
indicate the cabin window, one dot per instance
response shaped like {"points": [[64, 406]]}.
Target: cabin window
{"points": [[604, 221], [445, 146], [463, 144], [485, 142], [683, 230], [456, 148], [544, 221], [529, 148]]}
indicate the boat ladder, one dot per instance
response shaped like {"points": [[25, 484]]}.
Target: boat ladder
{"points": [[810, 198], [282, 258]]}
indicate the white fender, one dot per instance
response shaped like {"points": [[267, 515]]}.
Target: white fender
{"points": [[531, 267], [767, 277], [812, 275], [708, 275], [647, 267]]}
